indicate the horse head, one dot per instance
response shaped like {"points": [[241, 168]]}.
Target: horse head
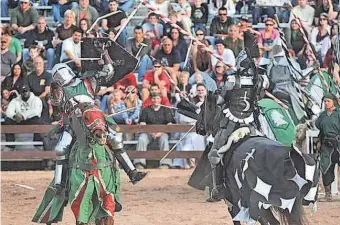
{"points": [[95, 122]]}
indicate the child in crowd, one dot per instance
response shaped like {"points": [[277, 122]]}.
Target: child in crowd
{"points": [[132, 101], [34, 51], [117, 105], [184, 85]]}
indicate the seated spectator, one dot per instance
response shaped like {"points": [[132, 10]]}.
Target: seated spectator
{"points": [[60, 7], [305, 13], [259, 11], [204, 78], [233, 42], [162, 6], [126, 5], [179, 44], [63, 32], [184, 85], [5, 4], [71, 50], [13, 81], [296, 38], [43, 36], [84, 25], [5, 99], [306, 59], [225, 53], [140, 47], [14, 43], [170, 58], [201, 58], [217, 4], [115, 21], [8, 59], [127, 80], [267, 37], [156, 76], [155, 89], [327, 7], [23, 110], [117, 105], [219, 75], [154, 114], [153, 30], [334, 33], [201, 94], [132, 101], [243, 27], [39, 83], [24, 18], [33, 51], [283, 13], [167, 27], [85, 10], [242, 7], [199, 14], [183, 10], [320, 38], [220, 24]]}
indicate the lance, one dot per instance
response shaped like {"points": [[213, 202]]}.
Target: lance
{"points": [[276, 100], [120, 112], [185, 33], [83, 59]]}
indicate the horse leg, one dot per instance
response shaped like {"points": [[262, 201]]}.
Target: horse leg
{"points": [[233, 212], [267, 218], [108, 220]]}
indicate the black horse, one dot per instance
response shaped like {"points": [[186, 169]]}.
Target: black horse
{"points": [[261, 176]]}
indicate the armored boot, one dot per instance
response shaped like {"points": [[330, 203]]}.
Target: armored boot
{"points": [[128, 166], [328, 191], [217, 192]]}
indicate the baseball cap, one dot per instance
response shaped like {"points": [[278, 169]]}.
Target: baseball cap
{"points": [[24, 88], [245, 18], [219, 41], [156, 62]]}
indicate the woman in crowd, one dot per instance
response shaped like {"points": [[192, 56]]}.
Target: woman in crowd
{"points": [[14, 43], [267, 37], [219, 75], [84, 25], [201, 58], [132, 101], [14, 81], [296, 38], [179, 43], [320, 38]]}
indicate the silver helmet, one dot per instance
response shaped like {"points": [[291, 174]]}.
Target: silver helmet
{"points": [[62, 74]]}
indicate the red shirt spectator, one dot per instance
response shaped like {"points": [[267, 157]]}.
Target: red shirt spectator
{"points": [[128, 80]]}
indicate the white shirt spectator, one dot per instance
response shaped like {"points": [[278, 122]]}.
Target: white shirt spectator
{"points": [[227, 55], [323, 45], [306, 16], [69, 44], [162, 7], [29, 109]]}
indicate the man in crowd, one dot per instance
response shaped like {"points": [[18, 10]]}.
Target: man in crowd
{"points": [[85, 10], [23, 110], [156, 76], [329, 125], [24, 18], [219, 25], [170, 58], [43, 36], [71, 50], [8, 59], [154, 88], [39, 82], [225, 53], [233, 42], [140, 47], [154, 114]]}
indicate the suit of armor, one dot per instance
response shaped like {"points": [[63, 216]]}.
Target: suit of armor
{"points": [[67, 93]]}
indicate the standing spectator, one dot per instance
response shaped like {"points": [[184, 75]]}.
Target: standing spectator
{"points": [[14, 43], [43, 36], [329, 125], [15, 80], [226, 54], [233, 42], [140, 47], [305, 13], [179, 44], [154, 88], [199, 14], [219, 25], [267, 37], [60, 7], [296, 38], [85, 10], [8, 59], [320, 37], [39, 83], [71, 50], [154, 114], [115, 21], [23, 110], [200, 56], [24, 18], [131, 101], [156, 76], [117, 105], [170, 58]]}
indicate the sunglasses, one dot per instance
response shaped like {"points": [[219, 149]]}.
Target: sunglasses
{"points": [[269, 24], [24, 3], [222, 14], [199, 34], [323, 19], [132, 92], [219, 66], [3, 42], [157, 66]]}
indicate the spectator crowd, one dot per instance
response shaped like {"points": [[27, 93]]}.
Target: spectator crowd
{"points": [[170, 65]]}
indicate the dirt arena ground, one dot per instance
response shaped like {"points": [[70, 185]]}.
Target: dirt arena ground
{"points": [[162, 198]]}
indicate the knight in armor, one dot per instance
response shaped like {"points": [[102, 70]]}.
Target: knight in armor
{"points": [[236, 105], [67, 93]]}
